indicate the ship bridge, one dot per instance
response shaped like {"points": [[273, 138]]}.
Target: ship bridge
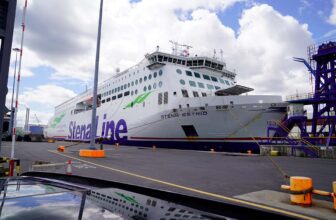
{"points": [[159, 59]]}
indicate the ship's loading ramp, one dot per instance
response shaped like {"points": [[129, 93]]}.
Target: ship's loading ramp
{"points": [[318, 131]]}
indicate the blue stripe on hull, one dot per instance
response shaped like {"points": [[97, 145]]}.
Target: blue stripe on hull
{"points": [[237, 147]]}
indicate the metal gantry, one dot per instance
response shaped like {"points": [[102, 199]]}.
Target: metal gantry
{"points": [[319, 130]]}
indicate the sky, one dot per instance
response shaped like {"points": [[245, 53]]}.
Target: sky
{"points": [[259, 39]]}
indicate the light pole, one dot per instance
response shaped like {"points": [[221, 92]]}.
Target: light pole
{"points": [[12, 103], [95, 82]]}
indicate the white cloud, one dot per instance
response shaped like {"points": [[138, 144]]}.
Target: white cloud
{"points": [[46, 95], [332, 17]]}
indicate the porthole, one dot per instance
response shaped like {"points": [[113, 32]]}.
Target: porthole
{"points": [[182, 82], [155, 74], [160, 84], [160, 72], [140, 80], [179, 71], [128, 85], [150, 77], [145, 78], [145, 89], [136, 92], [149, 87], [136, 82], [132, 92], [154, 86], [132, 83]]}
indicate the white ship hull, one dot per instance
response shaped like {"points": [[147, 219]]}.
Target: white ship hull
{"points": [[146, 106]]}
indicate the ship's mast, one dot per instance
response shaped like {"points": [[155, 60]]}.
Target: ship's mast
{"points": [[180, 49]]}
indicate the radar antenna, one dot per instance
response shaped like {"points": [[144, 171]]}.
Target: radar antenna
{"points": [[180, 49]]}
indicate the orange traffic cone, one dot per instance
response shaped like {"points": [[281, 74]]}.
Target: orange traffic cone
{"points": [[69, 168]]}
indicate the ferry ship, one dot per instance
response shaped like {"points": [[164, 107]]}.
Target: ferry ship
{"points": [[171, 100]]}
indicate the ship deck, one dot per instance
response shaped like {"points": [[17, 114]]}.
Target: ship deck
{"points": [[217, 176]]}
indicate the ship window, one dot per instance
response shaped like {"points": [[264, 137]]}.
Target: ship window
{"points": [[165, 98], [178, 61], [201, 85], [108, 99], [140, 80], [136, 82], [149, 87], [188, 73], [155, 74], [160, 84], [195, 94], [210, 86], [204, 94], [220, 80], [217, 87], [182, 81], [192, 83], [206, 77], [120, 95], [132, 83], [103, 101], [125, 86], [128, 85], [214, 79], [189, 63], [114, 97], [136, 92], [145, 89], [197, 75], [122, 87], [179, 71], [160, 98], [200, 62], [132, 92], [227, 82], [207, 63], [185, 93], [154, 86], [126, 93], [165, 58], [160, 58], [145, 78], [160, 72], [118, 88], [170, 59], [150, 77], [110, 92]]}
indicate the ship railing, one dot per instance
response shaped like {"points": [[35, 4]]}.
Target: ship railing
{"points": [[300, 96]]}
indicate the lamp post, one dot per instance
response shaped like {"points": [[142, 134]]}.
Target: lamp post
{"points": [[95, 83], [12, 103]]}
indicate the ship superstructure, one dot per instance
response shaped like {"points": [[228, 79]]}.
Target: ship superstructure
{"points": [[171, 100]]}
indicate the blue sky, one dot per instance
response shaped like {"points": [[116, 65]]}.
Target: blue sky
{"points": [[59, 47]]}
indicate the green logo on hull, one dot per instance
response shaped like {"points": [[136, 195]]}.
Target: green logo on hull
{"points": [[127, 198], [138, 100], [57, 120]]}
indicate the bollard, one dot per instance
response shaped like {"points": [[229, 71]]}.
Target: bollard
{"points": [[11, 167], [61, 148], [69, 169], [301, 189]]}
